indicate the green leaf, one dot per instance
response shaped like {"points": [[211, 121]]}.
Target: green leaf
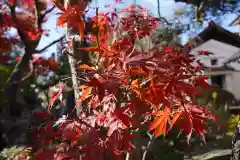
{"points": [[4, 68], [214, 95]]}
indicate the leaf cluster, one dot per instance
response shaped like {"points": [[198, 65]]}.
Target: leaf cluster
{"points": [[130, 89]]}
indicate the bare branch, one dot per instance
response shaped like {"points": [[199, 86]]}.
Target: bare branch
{"points": [[159, 14], [30, 74], [50, 44], [65, 52], [158, 5], [48, 11], [14, 18], [38, 14], [150, 142]]}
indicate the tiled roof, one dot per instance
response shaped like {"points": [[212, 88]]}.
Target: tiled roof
{"points": [[214, 31]]}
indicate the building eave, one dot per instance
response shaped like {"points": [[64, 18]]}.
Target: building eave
{"points": [[233, 58], [216, 32], [235, 22]]}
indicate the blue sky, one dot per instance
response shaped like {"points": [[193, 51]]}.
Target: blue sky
{"points": [[166, 8]]}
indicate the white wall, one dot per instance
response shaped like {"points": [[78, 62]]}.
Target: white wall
{"points": [[222, 52], [235, 84]]}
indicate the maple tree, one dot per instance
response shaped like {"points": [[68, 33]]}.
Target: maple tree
{"points": [[27, 18], [125, 90], [214, 7], [129, 89]]}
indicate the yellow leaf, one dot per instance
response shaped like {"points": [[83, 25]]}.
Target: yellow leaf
{"points": [[214, 95]]}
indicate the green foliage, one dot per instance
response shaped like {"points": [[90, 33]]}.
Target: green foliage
{"points": [[215, 96], [165, 36], [232, 124], [215, 7], [5, 72], [211, 3], [15, 153]]}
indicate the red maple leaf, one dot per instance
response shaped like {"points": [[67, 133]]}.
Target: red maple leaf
{"points": [[205, 53], [55, 93], [73, 17], [71, 131], [192, 118], [132, 84], [46, 154], [48, 63]]}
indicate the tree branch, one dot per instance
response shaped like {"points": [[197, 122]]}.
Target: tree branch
{"points": [[159, 14], [50, 44], [13, 82], [14, 18], [29, 74], [150, 142], [158, 5], [48, 11], [38, 16]]}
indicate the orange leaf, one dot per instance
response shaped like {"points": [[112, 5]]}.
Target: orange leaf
{"points": [[51, 64], [155, 124], [81, 28], [137, 71], [86, 93], [160, 123], [86, 67], [174, 120], [33, 35], [91, 49], [11, 2], [135, 83], [162, 127], [72, 16]]}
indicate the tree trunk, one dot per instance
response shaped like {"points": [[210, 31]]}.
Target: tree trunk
{"points": [[13, 83], [236, 144], [76, 56]]}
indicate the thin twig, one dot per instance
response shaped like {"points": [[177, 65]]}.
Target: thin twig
{"points": [[71, 78], [158, 6], [65, 52], [50, 44], [98, 44], [29, 74], [15, 21], [48, 11], [150, 142], [159, 14], [38, 14]]}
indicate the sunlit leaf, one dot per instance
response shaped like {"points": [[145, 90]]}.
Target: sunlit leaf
{"points": [[86, 67], [91, 49], [161, 122], [4, 68], [55, 93]]}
